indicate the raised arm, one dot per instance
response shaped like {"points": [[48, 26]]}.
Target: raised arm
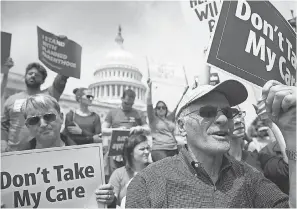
{"points": [[56, 90], [5, 68], [281, 108], [150, 109]]}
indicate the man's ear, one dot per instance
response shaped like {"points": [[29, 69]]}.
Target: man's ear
{"points": [[181, 127], [62, 116], [181, 124]]}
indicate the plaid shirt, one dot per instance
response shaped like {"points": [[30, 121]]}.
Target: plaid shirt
{"points": [[179, 182]]}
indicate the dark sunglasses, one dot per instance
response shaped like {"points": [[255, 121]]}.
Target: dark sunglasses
{"points": [[90, 97], [211, 111], [34, 120], [161, 107]]}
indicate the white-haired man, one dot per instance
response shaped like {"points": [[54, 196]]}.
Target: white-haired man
{"points": [[202, 174], [44, 119]]}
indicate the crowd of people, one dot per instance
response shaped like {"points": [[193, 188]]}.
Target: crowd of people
{"points": [[223, 163]]}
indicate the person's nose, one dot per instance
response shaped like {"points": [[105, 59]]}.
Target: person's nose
{"points": [[221, 119], [146, 151], [43, 122]]}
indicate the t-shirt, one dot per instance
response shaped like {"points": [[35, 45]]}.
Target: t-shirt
{"points": [[120, 118], [162, 131], [90, 125], [13, 128], [119, 180]]}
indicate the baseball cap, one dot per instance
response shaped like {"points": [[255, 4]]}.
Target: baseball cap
{"points": [[234, 91]]}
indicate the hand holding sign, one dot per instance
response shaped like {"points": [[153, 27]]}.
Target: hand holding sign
{"points": [[97, 138], [105, 194], [281, 104], [136, 130], [8, 64]]}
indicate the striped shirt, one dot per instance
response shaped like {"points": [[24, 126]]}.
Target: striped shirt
{"points": [[179, 182]]}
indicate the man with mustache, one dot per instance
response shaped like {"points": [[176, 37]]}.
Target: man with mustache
{"points": [[202, 174], [14, 134]]}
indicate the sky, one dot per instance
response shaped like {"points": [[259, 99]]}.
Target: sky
{"points": [[160, 30]]}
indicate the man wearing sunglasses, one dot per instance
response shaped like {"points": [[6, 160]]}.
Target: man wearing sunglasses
{"points": [[14, 134], [44, 119], [202, 174]]}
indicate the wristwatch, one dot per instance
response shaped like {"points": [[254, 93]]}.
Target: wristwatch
{"points": [[292, 155]]}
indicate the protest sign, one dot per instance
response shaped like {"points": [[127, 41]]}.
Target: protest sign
{"points": [[62, 56], [202, 12], [64, 177], [252, 40], [117, 141], [5, 47]]}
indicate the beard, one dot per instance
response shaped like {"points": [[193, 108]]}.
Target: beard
{"points": [[33, 85]]}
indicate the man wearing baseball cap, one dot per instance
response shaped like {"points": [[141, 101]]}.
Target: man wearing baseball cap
{"points": [[202, 174]]}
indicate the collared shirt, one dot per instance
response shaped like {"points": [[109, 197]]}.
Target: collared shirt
{"points": [[179, 182]]}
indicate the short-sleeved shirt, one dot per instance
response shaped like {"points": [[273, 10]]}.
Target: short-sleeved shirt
{"points": [[179, 182], [120, 118], [13, 128], [119, 180]]}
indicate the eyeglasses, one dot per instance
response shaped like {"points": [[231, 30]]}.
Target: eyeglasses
{"points": [[34, 120], [211, 111], [161, 107], [90, 97]]}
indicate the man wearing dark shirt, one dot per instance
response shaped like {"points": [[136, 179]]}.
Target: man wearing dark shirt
{"points": [[14, 134], [202, 175]]}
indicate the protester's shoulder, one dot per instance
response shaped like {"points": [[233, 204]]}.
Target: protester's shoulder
{"points": [[241, 168], [114, 111], [14, 97], [135, 111], [119, 171], [161, 167]]}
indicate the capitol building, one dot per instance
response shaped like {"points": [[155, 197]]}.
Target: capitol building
{"points": [[116, 72]]}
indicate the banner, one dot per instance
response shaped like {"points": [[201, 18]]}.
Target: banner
{"points": [[118, 138], [62, 56], [5, 47], [202, 13], [64, 177], [252, 40]]}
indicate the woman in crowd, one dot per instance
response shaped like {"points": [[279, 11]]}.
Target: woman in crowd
{"points": [[82, 125], [136, 157], [162, 128]]}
